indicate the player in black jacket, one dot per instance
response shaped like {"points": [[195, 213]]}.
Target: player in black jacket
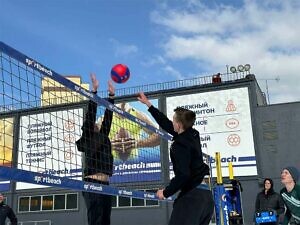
{"points": [[6, 212], [194, 204], [98, 159]]}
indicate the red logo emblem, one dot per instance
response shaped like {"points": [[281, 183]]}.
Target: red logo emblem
{"points": [[69, 138], [230, 106], [70, 125], [234, 140], [69, 154], [232, 123]]}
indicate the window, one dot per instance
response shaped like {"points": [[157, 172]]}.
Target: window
{"points": [[138, 202], [114, 201], [124, 201], [71, 201], [59, 202], [47, 203], [35, 203], [152, 202], [52, 202], [24, 204]]}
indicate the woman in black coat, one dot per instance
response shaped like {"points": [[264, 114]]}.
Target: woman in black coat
{"points": [[269, 200]]}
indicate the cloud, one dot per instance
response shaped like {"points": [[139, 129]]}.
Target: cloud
{"points": [[170, 71], [155, 60], [262, 33], [163, 66], [121, 49]]}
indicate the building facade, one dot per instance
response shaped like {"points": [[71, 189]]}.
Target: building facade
{"points": [[274, 134]]}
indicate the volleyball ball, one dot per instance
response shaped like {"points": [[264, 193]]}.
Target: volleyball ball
{"points": [[120, 73]]}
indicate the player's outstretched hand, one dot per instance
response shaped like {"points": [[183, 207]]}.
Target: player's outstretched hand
{"points": [[95, 82], [143, 99]]}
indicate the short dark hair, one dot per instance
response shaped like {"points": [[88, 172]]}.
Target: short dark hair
{"points": [[185, 116]]}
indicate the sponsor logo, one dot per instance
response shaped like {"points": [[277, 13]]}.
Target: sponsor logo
{"points": [[234, 140], [124, 192], [232, 123], [140, 122], [69, 125], [69, 154], [148, 195], [93, 187], [38, 66], [230, 106], [47, 180]]}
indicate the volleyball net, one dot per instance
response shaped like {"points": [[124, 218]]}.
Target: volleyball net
{"points": [[42, 117]]}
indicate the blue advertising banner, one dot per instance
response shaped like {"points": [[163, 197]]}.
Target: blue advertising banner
{"points": [[136, 150], [62, 182], [222, 211]]}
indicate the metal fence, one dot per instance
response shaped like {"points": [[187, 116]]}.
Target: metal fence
{"points": [[203, 80], [40, 222], [197, 81]]}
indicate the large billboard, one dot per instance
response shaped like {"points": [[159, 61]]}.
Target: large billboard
{"points": [[47, 144], [224, 123], [136, 150]]}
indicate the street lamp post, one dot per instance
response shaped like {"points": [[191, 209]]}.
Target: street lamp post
{"points": [[267, 87]]}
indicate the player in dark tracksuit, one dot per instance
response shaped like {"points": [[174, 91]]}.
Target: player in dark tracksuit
{"points": [[6, 212], [194, 204], [98, 159]]}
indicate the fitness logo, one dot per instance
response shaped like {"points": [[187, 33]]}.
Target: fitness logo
{"points": [[230, 106]]}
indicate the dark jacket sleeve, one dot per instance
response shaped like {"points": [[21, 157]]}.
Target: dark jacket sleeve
{"points": [[182, 157], [106, 122], [90, 119], [87, 127], [89, 123], [287, 217], [280, 209], [11, 215], [257, 203], [162, 120]]}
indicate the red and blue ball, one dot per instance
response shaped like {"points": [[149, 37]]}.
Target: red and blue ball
{"points": [[120, 73]]}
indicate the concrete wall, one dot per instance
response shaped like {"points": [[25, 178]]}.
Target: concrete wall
{"points": [[278, 127], [277, 130], [142, 216]]}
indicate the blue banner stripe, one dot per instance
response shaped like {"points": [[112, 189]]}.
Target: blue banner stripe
{"points": [[247, 158], [62, 182], [4, 186], [243, 165], [74, 87]]}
